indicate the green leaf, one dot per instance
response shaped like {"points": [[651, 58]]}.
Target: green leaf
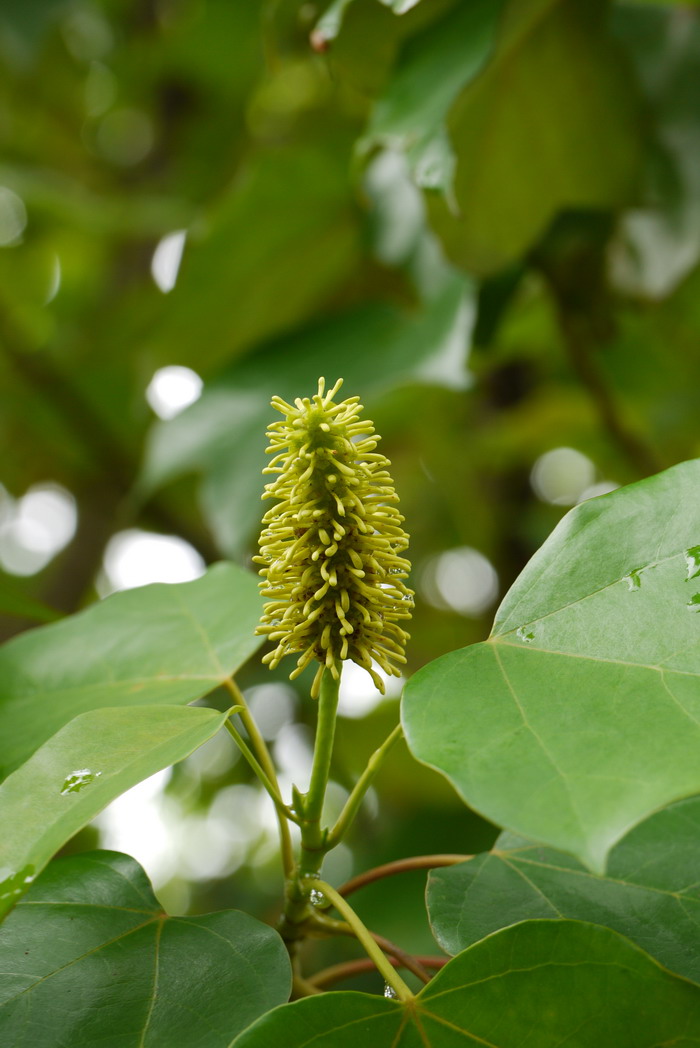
{"points": [[540, 983], [411, 113], [374, 349], [78, 772], [90, 958], [156, 644], [530, 140], [580, 715], [650, 893], [263, 293]]}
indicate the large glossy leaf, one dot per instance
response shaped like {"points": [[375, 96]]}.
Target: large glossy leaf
{"points": [[373, 349], [90, 958], [540, 983], [580, 715], [81, 769], [155, 644], [524, 150], [650, 893]]}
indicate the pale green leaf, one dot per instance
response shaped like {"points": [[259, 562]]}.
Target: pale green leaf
{"points": [[580, 715], [155, 644], [78, 772]]}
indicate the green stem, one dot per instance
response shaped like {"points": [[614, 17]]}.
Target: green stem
{"points": [[313, 843], [364, 936], [282, 808], [265, 760], [357, 795]]}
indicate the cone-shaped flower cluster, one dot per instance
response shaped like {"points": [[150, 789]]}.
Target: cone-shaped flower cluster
{"points": [[331, 545]]}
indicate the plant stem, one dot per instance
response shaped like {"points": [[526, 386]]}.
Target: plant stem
{"points": [[389, 869], [282, 808], [265, 760], [346, 969], [357, 795], [313, 843], [364, 936]]}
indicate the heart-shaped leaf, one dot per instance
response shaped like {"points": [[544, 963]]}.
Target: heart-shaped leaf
{"points": [[650, 893], [542, 983], [155, 644], [580, 715], [90, 958], [81, 769]]}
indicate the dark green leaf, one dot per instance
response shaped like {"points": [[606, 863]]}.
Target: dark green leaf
{"points": [[81, 769], [579, 716], [90, 958], [542, 983], [524, 150], [156, 644], [650, 893]]}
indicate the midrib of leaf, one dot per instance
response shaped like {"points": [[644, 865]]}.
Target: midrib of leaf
{"points": [[554, 566], [154, 991], [505, 858], [526, 723], [88, 953]]}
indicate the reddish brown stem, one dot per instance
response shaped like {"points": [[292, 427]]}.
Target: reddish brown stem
{"points": [[347, 969], [415, 862]]}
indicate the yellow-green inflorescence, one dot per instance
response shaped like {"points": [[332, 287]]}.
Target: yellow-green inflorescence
{"points": [[331, 545]]}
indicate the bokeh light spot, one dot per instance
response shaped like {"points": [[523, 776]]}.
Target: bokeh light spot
{"points": [[136, 558], [165, 264], [561, 475], [461, 580], [172, 389]]}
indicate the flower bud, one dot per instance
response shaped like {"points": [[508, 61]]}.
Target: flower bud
{"points": [[331, 545]]}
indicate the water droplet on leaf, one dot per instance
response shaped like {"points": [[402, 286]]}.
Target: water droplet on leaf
{"points": [[389, 991], [633, 580], [692, 563], [525, 635], [14, 885], [77, 780]]}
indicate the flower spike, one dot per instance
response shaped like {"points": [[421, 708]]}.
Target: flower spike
{"points": [[331, 545]]}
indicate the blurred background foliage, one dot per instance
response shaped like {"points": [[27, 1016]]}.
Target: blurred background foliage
{"points": [[485, 216]]}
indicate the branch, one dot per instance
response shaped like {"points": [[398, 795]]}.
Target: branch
{"points": [[389, 869], [347, 969]]}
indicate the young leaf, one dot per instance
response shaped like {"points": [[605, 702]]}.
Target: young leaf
{"points": [[650, 893], [438, 64], [155, 644], [541, 983], [90, 958], [579, 716], [81, 769]]}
